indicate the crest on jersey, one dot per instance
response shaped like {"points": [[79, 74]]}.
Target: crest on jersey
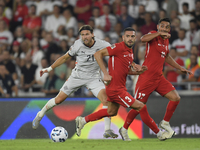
{"points": [[112, 46]]}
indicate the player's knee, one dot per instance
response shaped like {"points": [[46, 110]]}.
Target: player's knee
{"points": [[177, 98], [112, 112]]}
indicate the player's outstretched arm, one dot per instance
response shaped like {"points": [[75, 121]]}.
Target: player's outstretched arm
{"points": [[174, 64], [57, 63], [149, 37], [99, 58]]}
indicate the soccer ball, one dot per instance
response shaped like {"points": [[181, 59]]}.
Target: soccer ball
{"points": [[59, 134]]}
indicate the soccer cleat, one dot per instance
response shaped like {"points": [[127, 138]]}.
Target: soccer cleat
{"points": [[79, 125], [162, 135], [124, 134], [36, 121], [166, 126], [110, 133]]}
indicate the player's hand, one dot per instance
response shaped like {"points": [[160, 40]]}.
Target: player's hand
{"points": [[107, 79], [185, 71], [137, 67], [143, 69], [165, 35], [45, 70]]}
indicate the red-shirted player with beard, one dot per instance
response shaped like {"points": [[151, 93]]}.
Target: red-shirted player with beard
{"points": [[119, 65], [157, 53]]}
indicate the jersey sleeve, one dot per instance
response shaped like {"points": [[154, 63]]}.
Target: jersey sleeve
{"points": [[73, 49], [114, 49]]}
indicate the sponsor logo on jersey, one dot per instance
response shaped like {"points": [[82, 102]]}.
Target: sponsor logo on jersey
{"points": [[112, 46]]}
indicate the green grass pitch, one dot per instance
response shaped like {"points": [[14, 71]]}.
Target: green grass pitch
{"points": [[107, 144]]}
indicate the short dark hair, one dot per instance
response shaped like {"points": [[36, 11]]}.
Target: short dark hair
{"points": [[174, 48], [185, 4], [193, 20], [86, 27], [128, 29], [164, 19]]}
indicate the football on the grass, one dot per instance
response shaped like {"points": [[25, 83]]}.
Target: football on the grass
{"points": [[59, 134]]}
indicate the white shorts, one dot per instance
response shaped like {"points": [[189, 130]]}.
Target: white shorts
{"points": [[95, 85]]}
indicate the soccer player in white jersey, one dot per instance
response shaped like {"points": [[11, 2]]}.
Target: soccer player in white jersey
{"points": [[86, 73]]}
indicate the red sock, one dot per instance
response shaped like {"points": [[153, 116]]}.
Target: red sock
{"points": [[148, 120], [97, 115], [130, 117], [171, 107]]}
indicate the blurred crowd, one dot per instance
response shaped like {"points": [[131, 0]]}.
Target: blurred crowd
{"points": [[34, 33]]}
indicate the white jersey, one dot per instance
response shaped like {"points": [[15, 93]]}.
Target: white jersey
{"points": [[86, 65]]}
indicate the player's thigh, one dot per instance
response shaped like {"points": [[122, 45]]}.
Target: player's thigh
{"points": [[143, 91], [165, 88], [121, 97], [72, 84], [95, 86], [113, 108]]}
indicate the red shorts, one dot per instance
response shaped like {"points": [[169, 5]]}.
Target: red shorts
{"points": [[121, 97], [144, 89]]}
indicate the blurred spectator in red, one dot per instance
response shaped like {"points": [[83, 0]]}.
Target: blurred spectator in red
{"points": [[66, 5], [169, 6], [7, 84], [36, 53], [70, 20], [141, 13], [3, 17], [190, 34], [83, 10], [97, 32], [28, 73], [6, 36], [20, 11], [10, 66], [171, 74], [32, 23], [55, 20], [193, 51], [185, 17], [196, 12], [182, 45], [149, 24], [108, 20], [96, 16], [116, 7], [100, 3], [124, 17], [133, 9]]}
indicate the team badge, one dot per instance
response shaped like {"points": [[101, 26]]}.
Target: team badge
{"points": [[112, 46]]}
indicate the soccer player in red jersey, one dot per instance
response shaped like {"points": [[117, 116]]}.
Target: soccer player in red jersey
{"points": [[119, 65], [157, 53]]}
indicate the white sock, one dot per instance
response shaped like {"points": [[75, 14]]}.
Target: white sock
{"points": [[165, 122], [50, 104], [107, 120]]}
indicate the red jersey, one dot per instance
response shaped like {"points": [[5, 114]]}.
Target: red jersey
{"points": [[121, 58], [32, 23], [21, 12], [156, 52]]}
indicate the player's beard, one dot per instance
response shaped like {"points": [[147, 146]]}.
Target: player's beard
{"points": [[88, 42], [128, 45]]}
